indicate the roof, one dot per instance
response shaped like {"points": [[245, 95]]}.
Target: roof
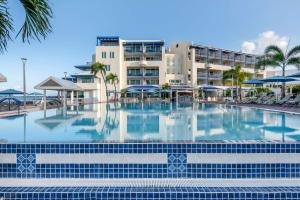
{"points": [[86, 67], [54, 83], [221, 49], [2, 78]]}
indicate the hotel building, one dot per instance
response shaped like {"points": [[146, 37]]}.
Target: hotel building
{"points": [[149, 62]]}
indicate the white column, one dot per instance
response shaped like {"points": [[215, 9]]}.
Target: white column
{"points": [[65, 99], [77, 99], [45, 100], [45, 103], [72, 97]]}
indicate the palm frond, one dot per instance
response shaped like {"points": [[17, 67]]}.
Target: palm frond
{"points": [[294, 51], [269, 61], [228, 74], [98, 67], [293, 61], [6, 25], [37, 21], [273, 49]]}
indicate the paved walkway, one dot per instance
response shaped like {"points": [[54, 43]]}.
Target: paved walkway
{"points": [[292, 109], [18, 112]]}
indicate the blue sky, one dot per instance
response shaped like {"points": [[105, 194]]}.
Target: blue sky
{"points": [[76, 23]]}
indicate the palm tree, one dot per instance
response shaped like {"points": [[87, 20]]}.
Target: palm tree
{"points": [[165, 86], [97, 68], [36, 24], [276, 57], [238, 77], [113, 79]]}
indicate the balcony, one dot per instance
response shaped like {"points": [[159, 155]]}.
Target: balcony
{"points": [[210, 76]]}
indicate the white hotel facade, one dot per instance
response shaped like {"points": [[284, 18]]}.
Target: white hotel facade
{"points": [[149, 62]]}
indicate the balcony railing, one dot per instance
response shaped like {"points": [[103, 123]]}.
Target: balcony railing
{"points": [[210, 76], [134, 74], [151, 74]]}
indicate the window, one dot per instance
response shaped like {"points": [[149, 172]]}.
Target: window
{"points": [[112, 54], [87, 80], [152, 82], [133, 82], [107, 67], [103, 54], [152, 72], [153, 58], [134, 72], [132, 58], [174, 81]]}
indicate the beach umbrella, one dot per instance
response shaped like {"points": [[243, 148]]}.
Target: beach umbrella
{"points": [[296, 75], [10, 92], [278, 79], [253, 82]]}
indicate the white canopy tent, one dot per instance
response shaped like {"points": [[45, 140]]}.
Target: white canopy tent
{"points": [[61, 85]]}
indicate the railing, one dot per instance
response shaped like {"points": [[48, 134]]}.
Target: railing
{"points": [[211, 76], [151, 74], [130, 74]]}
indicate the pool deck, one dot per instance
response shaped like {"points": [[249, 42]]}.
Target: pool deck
{"points": [[288, 109], [19, 112]]}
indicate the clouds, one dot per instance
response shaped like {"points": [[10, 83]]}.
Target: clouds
{"points": [[258, 45]]}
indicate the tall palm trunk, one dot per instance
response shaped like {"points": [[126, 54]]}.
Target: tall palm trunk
{"points": [[283, 84], [115, 91], [105, 85]]}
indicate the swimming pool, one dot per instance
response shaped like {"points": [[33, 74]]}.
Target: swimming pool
{"points": [[150, 122]]}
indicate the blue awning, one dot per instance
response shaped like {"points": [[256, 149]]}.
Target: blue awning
{"points": [[182, 87], [142, 87], [209, 88]]}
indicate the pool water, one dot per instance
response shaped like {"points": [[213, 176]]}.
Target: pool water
{"points": [[150, 122]]}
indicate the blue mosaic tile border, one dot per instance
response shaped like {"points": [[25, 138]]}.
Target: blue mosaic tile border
{"points": [[152, 148], [104, 193], [229, 171]]}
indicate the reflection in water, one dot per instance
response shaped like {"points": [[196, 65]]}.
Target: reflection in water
{"points": [[137, 122]]}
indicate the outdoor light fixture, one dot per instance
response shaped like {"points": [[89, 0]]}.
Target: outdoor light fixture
{"points": [[24, 60]]}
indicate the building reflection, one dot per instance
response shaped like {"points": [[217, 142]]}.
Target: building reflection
{"points": [[142, 122]]}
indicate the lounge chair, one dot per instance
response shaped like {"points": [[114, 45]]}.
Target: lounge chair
{"points": [[294, 101], [270, 100], [262, 97], [284, 99]]}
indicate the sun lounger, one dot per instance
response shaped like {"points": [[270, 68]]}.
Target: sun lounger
{"points": [[270, 100], [294, 101], [284, 99]]}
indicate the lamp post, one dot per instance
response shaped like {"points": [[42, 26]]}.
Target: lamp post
{"points": [[65, 73], [24, 60]]}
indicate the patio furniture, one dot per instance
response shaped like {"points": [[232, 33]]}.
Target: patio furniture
{"points": [[284, 99], [294, 101]]}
